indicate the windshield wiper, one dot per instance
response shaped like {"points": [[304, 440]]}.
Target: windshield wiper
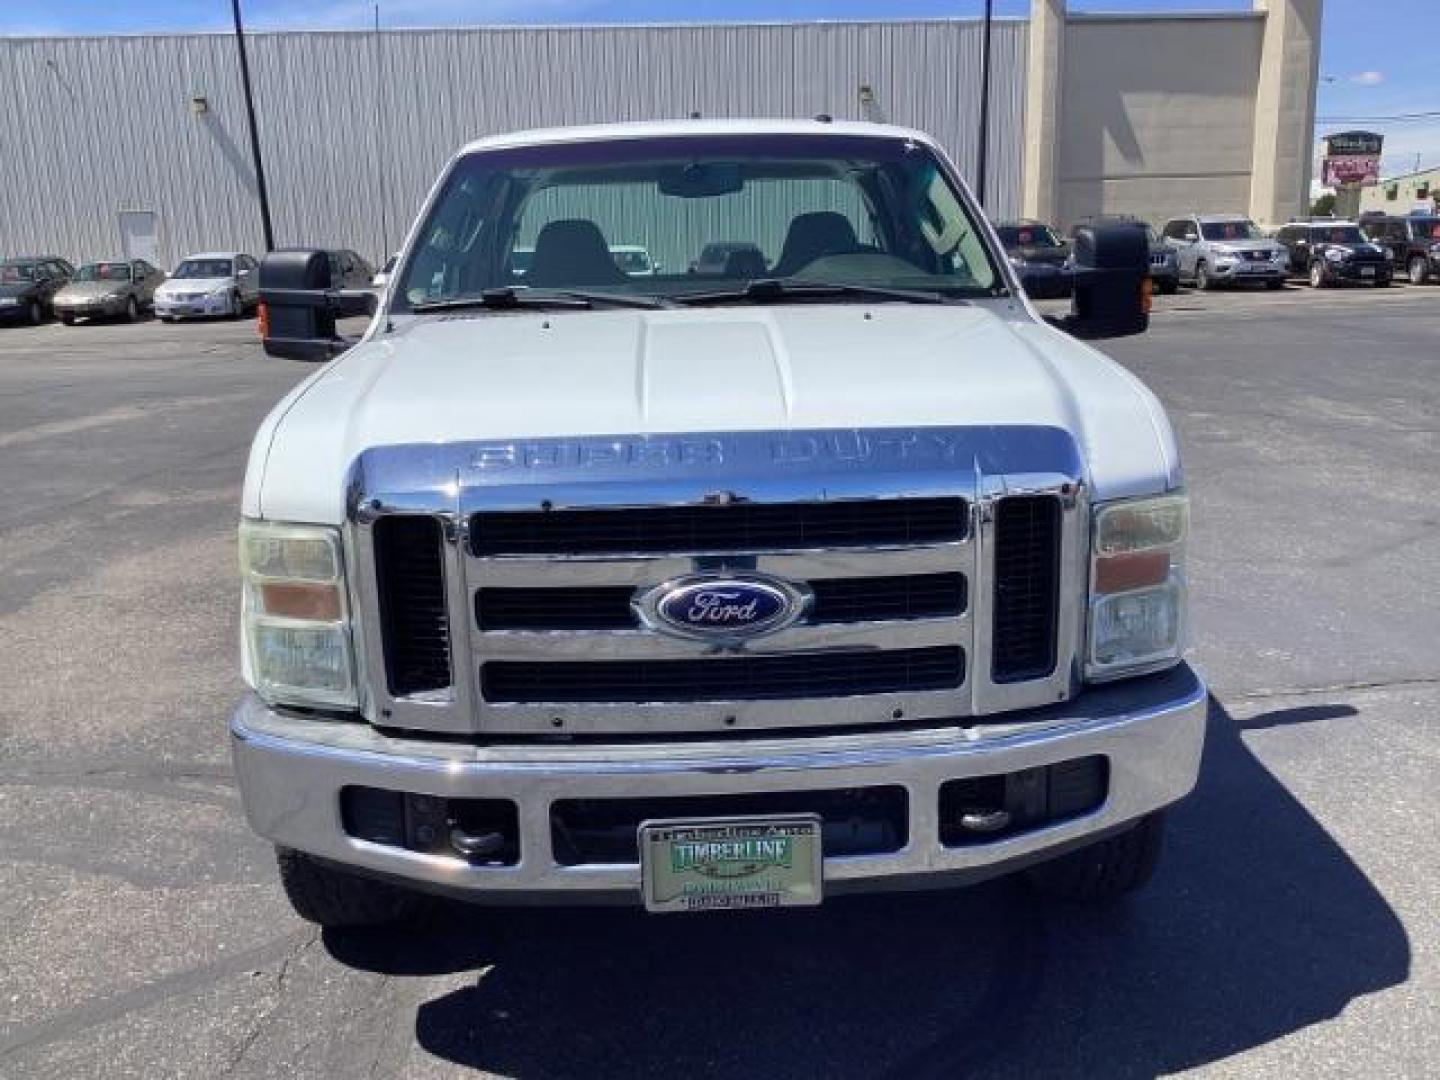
{"points": [[509, 297], [771, 290]]}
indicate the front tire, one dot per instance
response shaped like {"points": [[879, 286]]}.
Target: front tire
{"points": [[1318, 278], [1419, 271], [237, 307], [1202, 278], [330, 897], [1169, 286], [132, 310], [1273, 284], [1107, 870], [35, 313], [68, 320]]}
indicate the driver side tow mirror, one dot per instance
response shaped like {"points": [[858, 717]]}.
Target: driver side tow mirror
{"points": [[1111, 296], [298, 308]]}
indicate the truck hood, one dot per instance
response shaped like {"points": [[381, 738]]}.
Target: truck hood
{"points": [[493, 376]]}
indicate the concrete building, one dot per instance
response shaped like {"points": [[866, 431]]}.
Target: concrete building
{"points": [[1402, 194], [138, 145]]}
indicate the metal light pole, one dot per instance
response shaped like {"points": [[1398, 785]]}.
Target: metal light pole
{"points": [[260, 188], [983, 151]]}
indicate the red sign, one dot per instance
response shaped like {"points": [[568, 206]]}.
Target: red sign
{"points": [[1361, 170]]}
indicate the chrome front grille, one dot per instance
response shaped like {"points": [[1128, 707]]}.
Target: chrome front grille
{"points": [[943, 565]]}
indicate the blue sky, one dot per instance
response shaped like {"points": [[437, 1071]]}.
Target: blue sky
{"points": [[1370, 67]]}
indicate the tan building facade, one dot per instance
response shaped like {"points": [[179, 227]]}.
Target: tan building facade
{"points": [[1159, 115], [1402, 194]]}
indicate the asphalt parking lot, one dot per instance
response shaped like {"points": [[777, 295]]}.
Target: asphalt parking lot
{"points": [[1293, 929]]}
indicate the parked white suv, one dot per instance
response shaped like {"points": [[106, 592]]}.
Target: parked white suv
{"points": [[710, 592], [1225, 249]]}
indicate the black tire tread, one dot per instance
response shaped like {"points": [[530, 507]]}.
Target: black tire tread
{"points": [[331, 897], [1107, 870]]}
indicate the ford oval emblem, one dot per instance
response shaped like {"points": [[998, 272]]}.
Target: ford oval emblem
{"points": [[717, 607]]}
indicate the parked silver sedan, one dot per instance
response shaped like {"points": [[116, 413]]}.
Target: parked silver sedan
{"points": [[219, 283], [109, 289]]}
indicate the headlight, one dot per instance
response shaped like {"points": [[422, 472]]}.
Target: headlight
{"points": [[1137, 586], [113, 296], [296, 620]]}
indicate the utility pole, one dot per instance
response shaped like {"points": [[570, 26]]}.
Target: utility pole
{"points": [[984, 148], [260, 188]]}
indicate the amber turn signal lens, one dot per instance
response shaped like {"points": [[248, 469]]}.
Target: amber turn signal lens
{"points": [[1147, 293], [1133, 570], [262, 323], [319, 603]]}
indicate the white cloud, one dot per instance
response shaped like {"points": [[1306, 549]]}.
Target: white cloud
{"points": [[1368, 78]]}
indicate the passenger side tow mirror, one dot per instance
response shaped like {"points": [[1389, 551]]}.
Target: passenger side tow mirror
{"points": [[1111, 295], [298, 308]]}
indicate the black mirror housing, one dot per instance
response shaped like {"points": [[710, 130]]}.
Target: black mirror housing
{"points": [[300, 309], [1111, 295]]}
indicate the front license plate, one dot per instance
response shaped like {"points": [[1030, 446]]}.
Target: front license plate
{"points": [[726, 864], [1367, 271]]}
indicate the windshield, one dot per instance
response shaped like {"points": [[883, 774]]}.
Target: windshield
{"points": [[1230, 230], [103, 272], [875, 212], [1337, 234], [204, 268], [13, 272], [1026, 236]]}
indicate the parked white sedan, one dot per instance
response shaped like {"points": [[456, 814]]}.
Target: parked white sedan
{"points": [[218, 283]]}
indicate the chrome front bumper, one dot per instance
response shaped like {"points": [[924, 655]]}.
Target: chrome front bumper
{"points": [[291, 771]]}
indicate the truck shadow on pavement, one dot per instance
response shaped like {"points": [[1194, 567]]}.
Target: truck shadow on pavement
{"points": [[1257, 924]]}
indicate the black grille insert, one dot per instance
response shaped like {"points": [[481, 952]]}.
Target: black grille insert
{"points": [[837, 600], [1027, 587], [745, 678], [854, 821], [738, 527], [410, 577]]}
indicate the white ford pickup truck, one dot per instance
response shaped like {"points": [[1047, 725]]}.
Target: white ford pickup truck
{"points": [[833, 567]]}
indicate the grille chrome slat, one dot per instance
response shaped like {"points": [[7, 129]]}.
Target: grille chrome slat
{"points": [[867, 638], [643, 571]]}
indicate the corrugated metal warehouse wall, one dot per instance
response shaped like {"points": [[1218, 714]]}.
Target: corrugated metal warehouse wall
{"points": [[355, 126]]}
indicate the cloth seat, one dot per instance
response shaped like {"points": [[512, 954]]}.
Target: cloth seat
{"points": [[572, 253], [812, 236]]}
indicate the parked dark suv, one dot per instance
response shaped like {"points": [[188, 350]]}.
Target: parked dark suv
{"points": [[1414, 242], [1039, 257], [1333, 252], [28, 285]]}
